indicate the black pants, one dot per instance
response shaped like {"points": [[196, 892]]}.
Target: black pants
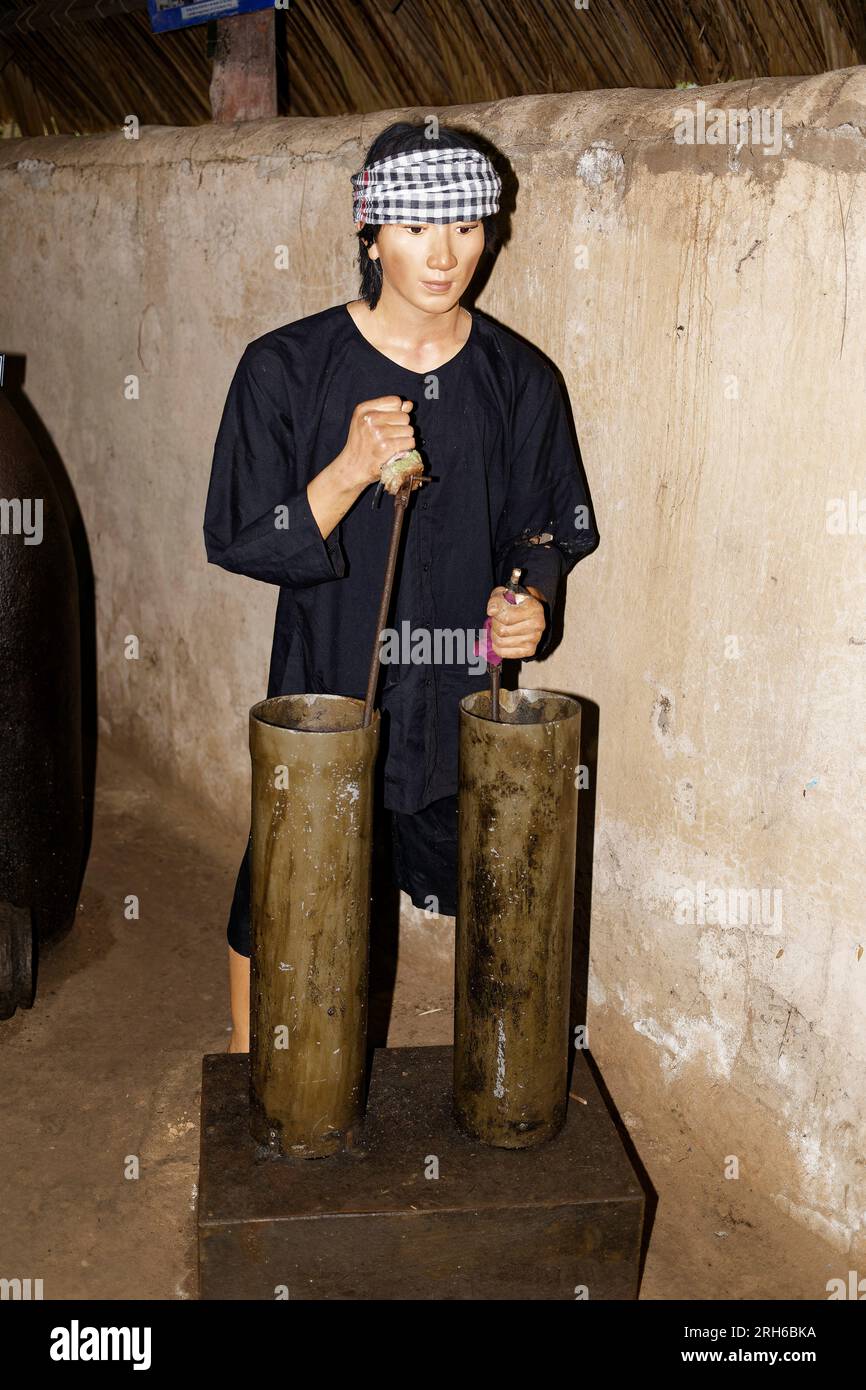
{"points": [[423, 854]]}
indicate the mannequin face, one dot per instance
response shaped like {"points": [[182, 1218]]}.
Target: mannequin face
{"points": [[416, 256]]}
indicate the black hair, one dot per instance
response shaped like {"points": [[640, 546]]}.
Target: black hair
{"points": [[404, 138]]}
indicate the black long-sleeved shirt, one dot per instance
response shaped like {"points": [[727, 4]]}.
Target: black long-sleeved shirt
{"points": [[492, 428]]}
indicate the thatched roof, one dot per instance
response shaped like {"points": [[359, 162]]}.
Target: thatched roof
{"points": [[81, 66]]}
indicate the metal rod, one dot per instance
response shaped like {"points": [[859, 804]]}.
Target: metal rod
{"points": [[401, 500], [494, 669], [495, 673]]}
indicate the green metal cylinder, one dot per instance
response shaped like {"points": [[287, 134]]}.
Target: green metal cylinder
{"points": [[312, 838], [517, 817]]}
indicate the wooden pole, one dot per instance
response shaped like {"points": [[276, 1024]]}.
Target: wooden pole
{"points": [[244, 79]]}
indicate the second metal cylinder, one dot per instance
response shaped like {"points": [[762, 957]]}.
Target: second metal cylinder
{"points": [[312, 837], [517, 806]]}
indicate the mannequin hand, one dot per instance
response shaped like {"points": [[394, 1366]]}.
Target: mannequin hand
{"points": [[379, 429], [516, 628]]}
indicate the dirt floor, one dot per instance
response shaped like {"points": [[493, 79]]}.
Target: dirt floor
{"points": [[104, 1072]]}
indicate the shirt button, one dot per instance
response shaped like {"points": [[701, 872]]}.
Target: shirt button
{"points": [[426, 566]]}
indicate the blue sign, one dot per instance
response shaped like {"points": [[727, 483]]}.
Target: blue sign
{"points": [[167, 14]]}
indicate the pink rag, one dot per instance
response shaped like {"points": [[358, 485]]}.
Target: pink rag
{"points": [[490, 656]]}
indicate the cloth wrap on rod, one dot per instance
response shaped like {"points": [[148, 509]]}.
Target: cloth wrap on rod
{"points": [[437, 185]]}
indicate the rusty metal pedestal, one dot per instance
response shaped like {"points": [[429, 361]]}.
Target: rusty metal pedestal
{"points": [[495, 1224]]}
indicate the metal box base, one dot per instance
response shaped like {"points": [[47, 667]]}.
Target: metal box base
{"points": [[540, 1223]]}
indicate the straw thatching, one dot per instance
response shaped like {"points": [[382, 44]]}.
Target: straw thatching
{"points": [[80, 66]]}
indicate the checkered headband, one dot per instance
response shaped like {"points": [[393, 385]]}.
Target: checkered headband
{"points": [[439, 185]]}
